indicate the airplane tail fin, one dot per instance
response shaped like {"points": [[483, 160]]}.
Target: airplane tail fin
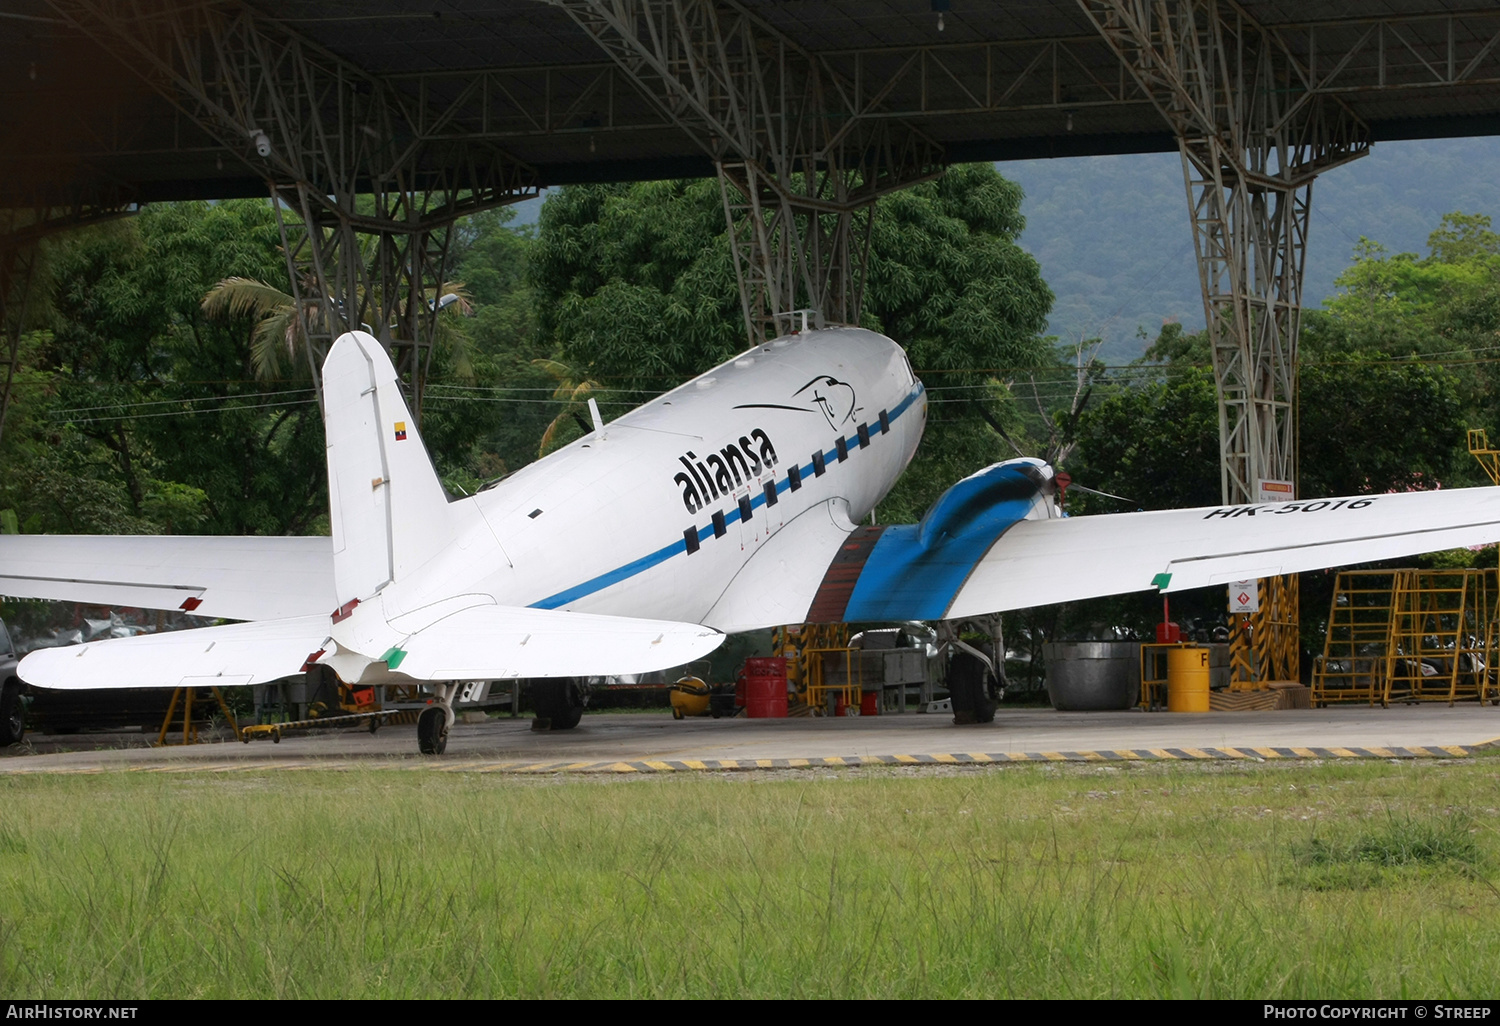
{"points": [[388, 511]]}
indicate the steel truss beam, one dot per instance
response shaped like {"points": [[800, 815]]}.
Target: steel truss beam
{"points": [[801, 156], [1065, 75], [1070, 76], [342, 149]]}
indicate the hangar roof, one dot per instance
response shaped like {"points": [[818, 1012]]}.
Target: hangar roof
{"points": [[1025, 78]]}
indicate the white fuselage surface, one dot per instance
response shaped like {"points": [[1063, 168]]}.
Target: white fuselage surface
{"points": [[656, 515]]}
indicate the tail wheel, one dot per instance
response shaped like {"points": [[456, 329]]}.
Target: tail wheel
{"points": [[432, 730], [559, 701], [12, 714]]}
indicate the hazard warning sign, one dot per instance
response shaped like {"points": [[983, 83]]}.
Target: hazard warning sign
{"points": [[1244, 597]]}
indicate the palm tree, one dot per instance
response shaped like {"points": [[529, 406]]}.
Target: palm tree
{"points": [[278, 329], [280, 332], [573, 389]]}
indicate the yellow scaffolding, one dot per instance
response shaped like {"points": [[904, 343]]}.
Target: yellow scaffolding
{"points": [[1270, 650], [1408, 635], [1489, 458], [808, 649], [1358, 641], [820, 662], [1440, 636]]}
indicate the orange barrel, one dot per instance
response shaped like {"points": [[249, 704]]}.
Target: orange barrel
{"points": [[869, 703], [1187, 679], [765, 697]]}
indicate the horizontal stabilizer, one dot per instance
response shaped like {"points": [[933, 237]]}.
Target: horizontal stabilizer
{"points": [[480, 643], [236, 578], [497, 642], [237, 653]]}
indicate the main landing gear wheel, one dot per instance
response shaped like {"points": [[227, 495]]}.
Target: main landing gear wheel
{"points": [[558, 703], [432, 730], [968, 680], [12, 714]]}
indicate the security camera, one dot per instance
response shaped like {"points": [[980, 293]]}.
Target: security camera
{"points": [[262, 142]]}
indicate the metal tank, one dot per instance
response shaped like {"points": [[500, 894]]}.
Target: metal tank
{"points": [[1091, 676]]}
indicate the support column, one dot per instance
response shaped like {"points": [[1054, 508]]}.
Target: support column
{"points": [[803, 153], [1254, 132], [790, 256], [372, 172]]}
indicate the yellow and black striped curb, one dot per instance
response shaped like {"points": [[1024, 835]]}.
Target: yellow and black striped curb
{"points": [[471, 765]]}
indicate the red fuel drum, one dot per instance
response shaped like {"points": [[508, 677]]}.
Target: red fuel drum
{"points": [[765, 697], [765, 666]]}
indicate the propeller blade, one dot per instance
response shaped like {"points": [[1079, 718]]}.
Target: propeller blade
{"points": [[1107, 495]]}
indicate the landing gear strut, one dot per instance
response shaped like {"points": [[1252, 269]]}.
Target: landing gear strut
{"points": [[434, 721], [558, 702]]}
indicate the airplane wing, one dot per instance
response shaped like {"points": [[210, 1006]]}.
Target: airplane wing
{"points": [[480, 643], [993, 542], [240, 578], [1038, 562]]}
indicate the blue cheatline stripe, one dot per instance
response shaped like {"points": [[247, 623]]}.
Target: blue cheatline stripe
{"points": [[666, 552], [915, 570]]}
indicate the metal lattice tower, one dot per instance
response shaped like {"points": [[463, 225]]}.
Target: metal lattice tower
{"points": [[1254, 133]]}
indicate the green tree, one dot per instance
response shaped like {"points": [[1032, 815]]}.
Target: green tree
{"points": [[491, 423], [1370, 425], [637, 290], [150, 398], [635, 285]]}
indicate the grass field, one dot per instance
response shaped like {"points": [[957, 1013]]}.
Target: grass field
{"points": [[1361, 879]]}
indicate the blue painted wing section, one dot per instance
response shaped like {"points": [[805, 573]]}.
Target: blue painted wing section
{"points": [[915, 570]]}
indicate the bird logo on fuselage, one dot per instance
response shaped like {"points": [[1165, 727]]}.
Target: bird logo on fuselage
{"points": [[825, 394]]}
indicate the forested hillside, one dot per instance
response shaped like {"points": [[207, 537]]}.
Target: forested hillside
{"points": [[1111, 233]]}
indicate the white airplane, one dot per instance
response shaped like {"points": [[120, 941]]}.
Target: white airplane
{"points": [[729, 504]]}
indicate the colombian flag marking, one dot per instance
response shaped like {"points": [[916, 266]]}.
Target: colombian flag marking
{"points": [[400, 430]]}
